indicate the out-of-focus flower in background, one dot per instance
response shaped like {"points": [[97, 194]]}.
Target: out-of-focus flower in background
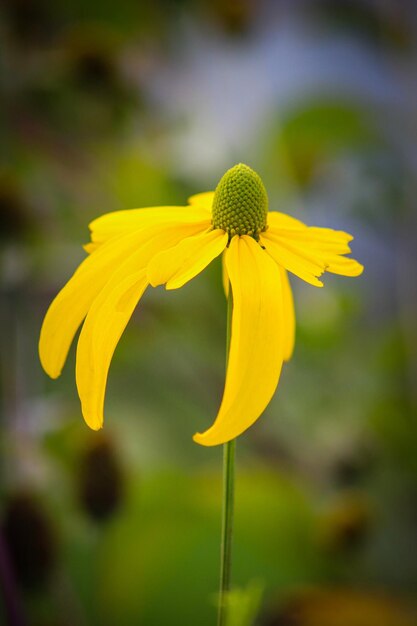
{"points": [[30, 540], [100, 479]]}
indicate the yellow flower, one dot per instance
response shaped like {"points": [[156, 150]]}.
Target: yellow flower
{"points": [[170, 245]]}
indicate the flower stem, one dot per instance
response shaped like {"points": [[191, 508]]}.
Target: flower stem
{"points": [[227, 528], [228, 501]]}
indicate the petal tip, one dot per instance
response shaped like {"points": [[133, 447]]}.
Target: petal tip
{"points": [[202, 440], [94, 424], [53, 374], [49, 368], [90, 247], [153, 283]]}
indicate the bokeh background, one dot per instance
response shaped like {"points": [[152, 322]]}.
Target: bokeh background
{"points": [[114, 105]]}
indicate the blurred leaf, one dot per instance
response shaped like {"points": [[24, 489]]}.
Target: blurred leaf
{"points": [[342, 607], [167, 546], [243, 605], [319, 130]]}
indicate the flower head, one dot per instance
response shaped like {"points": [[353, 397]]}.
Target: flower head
{"points": [[130, 250], [240, 203]]}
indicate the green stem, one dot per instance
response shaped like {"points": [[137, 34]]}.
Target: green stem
{"points": [[228, 501]]}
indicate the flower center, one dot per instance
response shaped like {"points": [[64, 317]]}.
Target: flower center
{"points": [[240, 204]]}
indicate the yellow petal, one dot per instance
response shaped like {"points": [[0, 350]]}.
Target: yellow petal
{"points": [[344, 266], [108, 316], [204, 200], [322, 246], [282, 220], [323, 239], [306, 253], [302, 267], [189, 257], [91, 247], [256, 347], [71, 305], [329, 235], [289, 316], [112, 224], [285, 225], [100, 335]]}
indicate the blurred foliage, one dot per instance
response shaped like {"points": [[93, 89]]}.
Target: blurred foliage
{"points": [[120, 105], [342, 607], [322, 130], [243, 605]]}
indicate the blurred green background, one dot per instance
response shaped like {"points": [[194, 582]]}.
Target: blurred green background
{"points": [[114, 105]]}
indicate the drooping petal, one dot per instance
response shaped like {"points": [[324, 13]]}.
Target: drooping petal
{"points": [[322, 246], [112, 224], [256, 348], [71, 305], [102, 329], [189, 257], [204, 200], [107, 319], [304, 268], [289, 316]]}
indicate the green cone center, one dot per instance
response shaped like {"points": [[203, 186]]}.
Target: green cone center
{"points": [[240, 204]]}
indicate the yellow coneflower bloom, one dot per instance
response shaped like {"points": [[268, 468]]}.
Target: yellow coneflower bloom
{"points": [[170, 245]]}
